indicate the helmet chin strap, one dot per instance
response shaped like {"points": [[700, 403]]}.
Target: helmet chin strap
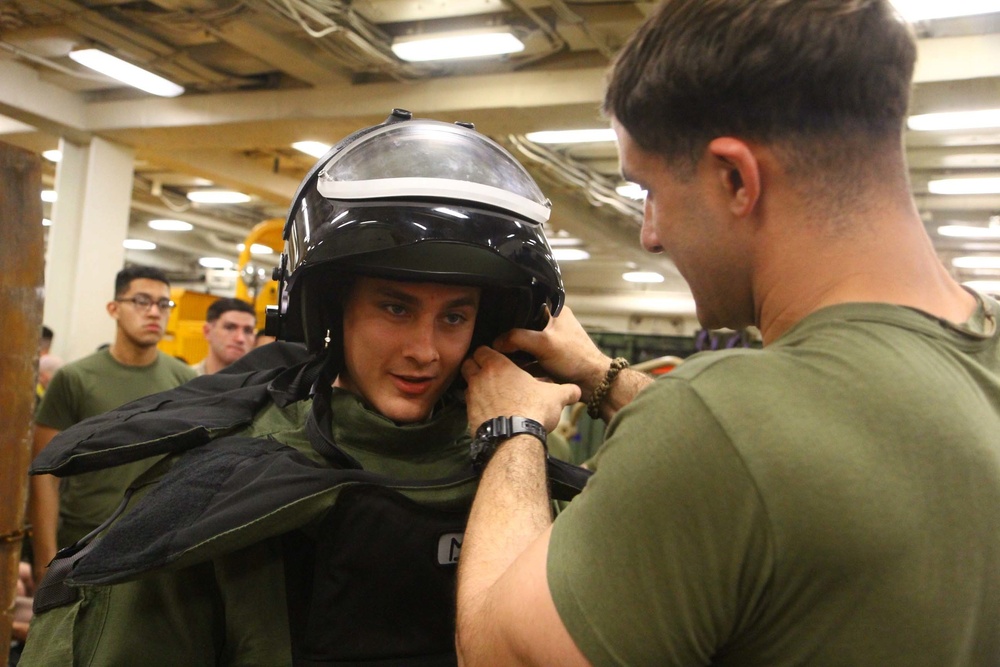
{"points": [[327, 372]]}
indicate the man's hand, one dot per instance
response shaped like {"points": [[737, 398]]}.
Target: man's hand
{"points": [[498, 388], [22, 602], [563, 349], [504, 611]]}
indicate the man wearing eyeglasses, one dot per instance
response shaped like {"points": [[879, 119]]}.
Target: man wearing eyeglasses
{"points": [[130, 368]]}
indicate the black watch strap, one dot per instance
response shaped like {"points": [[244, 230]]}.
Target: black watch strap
{"points": [[493, 432]]}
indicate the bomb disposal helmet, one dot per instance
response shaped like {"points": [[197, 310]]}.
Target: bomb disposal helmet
{"points": [[417, 200]]}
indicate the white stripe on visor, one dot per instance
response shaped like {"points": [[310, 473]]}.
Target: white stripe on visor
{"points": [[436, 188]]}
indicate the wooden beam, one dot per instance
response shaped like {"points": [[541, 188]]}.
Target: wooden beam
{"points": [[22, 257]]}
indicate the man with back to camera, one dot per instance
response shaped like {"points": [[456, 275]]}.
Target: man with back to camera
{"points": [[130, 368], [831, 500], [230, 329], [318, 510], [45, 341]]}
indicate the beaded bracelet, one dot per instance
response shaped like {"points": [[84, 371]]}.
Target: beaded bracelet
{"points": [[597, 397]]}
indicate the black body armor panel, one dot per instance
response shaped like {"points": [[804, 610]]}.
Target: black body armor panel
{"points": [[375, 582]]}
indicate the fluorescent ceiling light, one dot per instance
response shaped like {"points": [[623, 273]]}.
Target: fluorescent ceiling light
{"points": [[217, 197], [988, 286], [631, 190], [971, 160], [317, 149], [52, 155], [569, 254], [965, 186], [924, 10], [572, 136], [127, 73], [452, 46], [171, 225], [564, 241], [642, 277], [955, 120], [215, 263], [49, 196], [137, 244], [977, 262], [261, 249], [969, 232]]}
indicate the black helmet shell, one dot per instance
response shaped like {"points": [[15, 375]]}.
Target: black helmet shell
{"points": [[418, 200]]}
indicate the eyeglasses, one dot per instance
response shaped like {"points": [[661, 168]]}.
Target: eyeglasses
{"points": [[144, 302]]}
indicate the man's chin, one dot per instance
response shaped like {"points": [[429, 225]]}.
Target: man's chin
{"points": [[408, 410]]}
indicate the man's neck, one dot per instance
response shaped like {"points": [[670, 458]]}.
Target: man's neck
{"points": [[129, 354], [213, 364], [887, 260]]}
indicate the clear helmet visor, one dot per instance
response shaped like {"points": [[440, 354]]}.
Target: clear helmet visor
{"points": [[435, 160]]}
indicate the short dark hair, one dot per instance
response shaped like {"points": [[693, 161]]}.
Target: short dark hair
{"points": [[134, 272], [226, 304], [47, 334], [811, 76]]}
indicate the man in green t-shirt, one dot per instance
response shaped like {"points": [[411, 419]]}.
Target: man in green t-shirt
{"points": [[229, 329], [130, 368], [833, 499]]}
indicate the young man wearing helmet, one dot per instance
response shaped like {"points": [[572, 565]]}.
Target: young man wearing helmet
{"points": [[314, 507]]}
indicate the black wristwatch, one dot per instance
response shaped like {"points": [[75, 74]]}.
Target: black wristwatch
{"points": [[492, 432]]}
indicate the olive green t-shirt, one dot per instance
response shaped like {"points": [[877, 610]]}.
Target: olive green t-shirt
{"points": [[831, 500], [91, 386]]}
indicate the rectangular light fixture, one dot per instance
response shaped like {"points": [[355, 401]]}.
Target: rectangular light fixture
{"points": [[456, 45], [170, 225], [955, 120], [569, 254], [316, 149], [642, 277], [925, 10], [217, 197], [631, 190], [599, 135], [969, 232], [127, 73], [977, 262], [988, 286], [965, 186]]}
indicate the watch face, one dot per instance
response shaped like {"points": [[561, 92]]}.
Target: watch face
{"points": [[481, 450], [483, 444]]}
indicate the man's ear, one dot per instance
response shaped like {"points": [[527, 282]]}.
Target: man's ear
{"points": [[112, 309], [738, 173], [205, 328]]}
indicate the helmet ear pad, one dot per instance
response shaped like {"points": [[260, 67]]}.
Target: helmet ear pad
{"points": [[504, 308], [323, 320]]}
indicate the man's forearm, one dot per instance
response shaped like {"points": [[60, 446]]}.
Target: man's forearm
{"points": [[43, 507], [511, 510], [625, 387], [43, 513]]}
